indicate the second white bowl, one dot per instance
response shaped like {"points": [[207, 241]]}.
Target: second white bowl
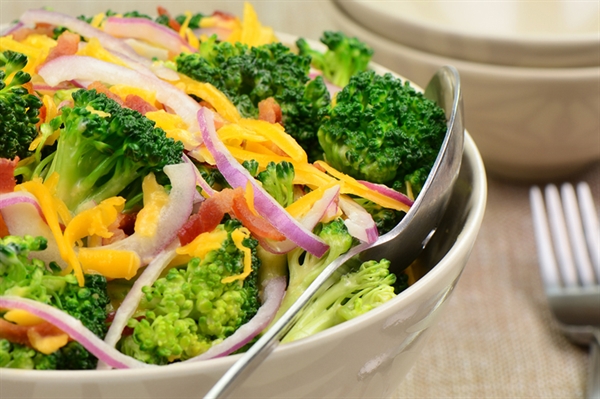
{"points": [[528, 123]]}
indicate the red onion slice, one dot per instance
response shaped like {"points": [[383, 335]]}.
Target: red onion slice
{"points": [[273, 295], [388, 192], [145, 29], [171, 218], [31, 17], [11, 29], [75, 329], [319, 210], [23, 216], [133, 297], [237, 176], [360, 223], [199, 179], [74, 67], [20, 197]]}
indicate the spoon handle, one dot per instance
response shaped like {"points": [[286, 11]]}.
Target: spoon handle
{"points": [[259, 351]]}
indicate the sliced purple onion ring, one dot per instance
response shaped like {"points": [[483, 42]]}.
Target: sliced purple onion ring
{"points": [[388, 192], [319, 210], [74, 67], [31, 17], [273, 295], [133, 297], [171, 218], [145, 29], [199, 179], [237, 176], [23, 216], [11, 29], [74, 329], [359, 222], [19, 197]]}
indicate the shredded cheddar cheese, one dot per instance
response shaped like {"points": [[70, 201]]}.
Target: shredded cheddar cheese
{"points": [[238, 236], [351, 186], [155, 199], [200, 246], [48, 203]]}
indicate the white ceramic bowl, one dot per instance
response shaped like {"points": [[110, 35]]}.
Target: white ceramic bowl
{"points": [[557, 33], [528, 123], [365, 357]]}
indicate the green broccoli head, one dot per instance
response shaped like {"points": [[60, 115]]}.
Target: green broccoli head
{"points": [[104, 148], [353, 294], [278, 181], [30, 278], [248, 75], [16, 356], [382, 130], [190, 308], [19, 110], [345, 56], [304, 267]]}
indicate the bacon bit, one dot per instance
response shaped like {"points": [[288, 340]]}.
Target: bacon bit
{"points": [[7, 174], [20, 334], [269, 110], [3, 228], [42, 115], [257, 225], [67, 44], [138, 104], [208, 217], [22, 33], [101, 88], [121, 228], [173, 24], [223, 15]]}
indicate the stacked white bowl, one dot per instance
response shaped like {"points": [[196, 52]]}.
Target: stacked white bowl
{"points": [[530, 72]]}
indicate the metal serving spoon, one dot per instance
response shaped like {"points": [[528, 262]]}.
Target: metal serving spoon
{"points": [[400, 246]]}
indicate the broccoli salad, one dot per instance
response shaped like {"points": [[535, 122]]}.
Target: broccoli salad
{"points": [[170, 185]]}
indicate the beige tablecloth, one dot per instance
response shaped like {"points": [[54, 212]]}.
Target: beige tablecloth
{"points": [[497, 338]]}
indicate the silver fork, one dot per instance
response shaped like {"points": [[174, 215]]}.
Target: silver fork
{"points": [[568, 242]]}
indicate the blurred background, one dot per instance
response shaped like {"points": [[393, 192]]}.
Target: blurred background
{"points": [[532, 102], [305, 18]]}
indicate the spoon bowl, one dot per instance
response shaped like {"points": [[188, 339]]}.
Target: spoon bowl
{"points": [[401, 246]]}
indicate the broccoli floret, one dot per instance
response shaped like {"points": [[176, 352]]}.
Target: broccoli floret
{"points": [[30, 278], [382, 130], [19, 109], [353, 294], [277, 180], [190, 308], [16, 356], [304, 267], [103, 148], [345, 56], [248, 75]]}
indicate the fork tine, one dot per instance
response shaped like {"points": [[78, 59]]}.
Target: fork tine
{"points": [[590, 225], [576, 234], [558, 229], [547, 261]]}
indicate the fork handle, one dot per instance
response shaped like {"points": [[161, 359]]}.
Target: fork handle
{"points": [[593, 385]]}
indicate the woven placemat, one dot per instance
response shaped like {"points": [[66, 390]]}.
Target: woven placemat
{"points": [[498, 338]]}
